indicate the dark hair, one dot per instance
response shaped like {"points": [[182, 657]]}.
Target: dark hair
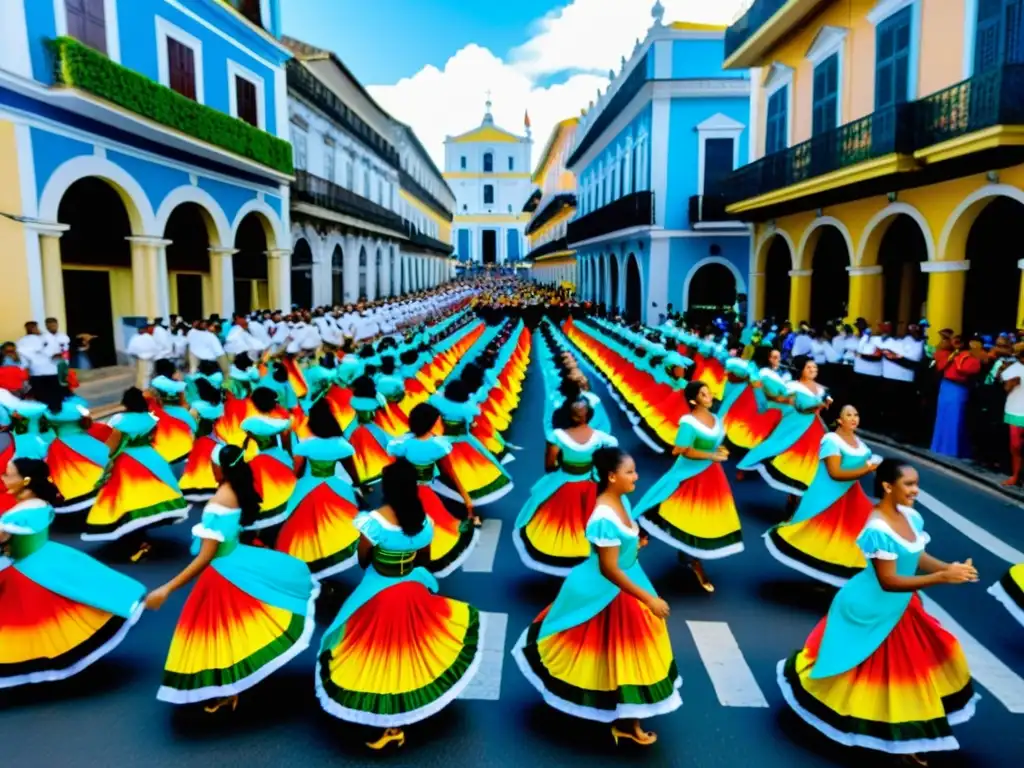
{"points": [[387, 365], [242, 361], [364, 387], [409, 357], [606, 461], [422, 419], [134, 401], [208, 392], [889, 471], [799, 363], [692, 390], [264, 398], [238, 474], [399, 486], [208, 367], [37, 474], [369, 369], [570, 389], [328, 361], [164, 367], [321, 420], [565, 416], [456, 391], [280, 374], [366, 351]]}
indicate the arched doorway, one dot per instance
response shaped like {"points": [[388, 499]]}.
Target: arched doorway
{"points": [[362, 273], [777, 265], [188, 260], [252, 288], [302, 274], [992, 293], [634, 290], [830, 282], [97, 265], [904, 285], [337, 274], [613, 284], [599, 277], [711, 294]]}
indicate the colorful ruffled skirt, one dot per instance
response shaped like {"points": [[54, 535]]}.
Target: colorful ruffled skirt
{"points": [[481, 474], [825, 546], [370, 444], [614, 666], [1009, 591], [173, 436], [453, 540], [319, 530], [227, 639], [275, 482], [902, 699], [392, 419], [746, 425], [228, 428], [553, 540], [698, 517], [76, 467], [401, 657], [792, 469], [340, 401], [197, 480]]}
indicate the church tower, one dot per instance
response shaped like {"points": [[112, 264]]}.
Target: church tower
{"points": [[488, 168]]}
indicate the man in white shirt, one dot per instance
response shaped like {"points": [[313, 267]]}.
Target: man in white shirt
{"points": [[57, 337], [366, 327], [163, 339], [239, 339], [901, 359], [145, 349], [867, 375], [204, 346], [40, 353]]}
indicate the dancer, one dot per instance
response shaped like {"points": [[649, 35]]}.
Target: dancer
{"points": [[76, 459], [550, 533], [61, 609], [251, 609], [138, 489], [364, 435], [879, 672], [821, 539], [453, 541], [397, 652], [318, 528], [1009, 591], [198, 482], [272, 466], [175, 427], [691, 508], [601, 651]]}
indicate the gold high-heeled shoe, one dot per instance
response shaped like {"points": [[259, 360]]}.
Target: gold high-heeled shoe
{"points": [[143, 550], [702, 578], [389, 735], [914, 760], [229, 701], [648, 738]]}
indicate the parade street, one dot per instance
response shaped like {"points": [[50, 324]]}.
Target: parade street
{"points": [[726, 644]]}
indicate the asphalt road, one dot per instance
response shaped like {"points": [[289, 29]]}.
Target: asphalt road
{"points": [[726, 644]]}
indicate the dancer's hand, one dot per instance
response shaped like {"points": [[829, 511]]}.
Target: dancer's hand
{"points": [[721, 454], [644, 540], [156, 598], [658, 607], [960, 573]]}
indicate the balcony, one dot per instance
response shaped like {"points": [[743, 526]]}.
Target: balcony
{"points": [[554, 246], [409, 184], [635, 210], [873, 147], [591, 133], [426, 242], [708, 212], [322, 193], [765, 22], [312, 88], [552, 208]]}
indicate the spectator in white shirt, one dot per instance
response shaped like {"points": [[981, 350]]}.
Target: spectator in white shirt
{"points": [[57, 337], [867, 370], [239, 339], [40, 353], [145, 349]]}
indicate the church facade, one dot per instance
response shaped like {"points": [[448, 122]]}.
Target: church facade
{"points": [[488, 169]]}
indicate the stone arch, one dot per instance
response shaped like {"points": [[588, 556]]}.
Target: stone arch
{"points": [[218, 228], [953, 240], [741, 284], [764, 244], [830, 275], [136, 202], [878, 225], [811, 235], [634, 293], [273, 227]]}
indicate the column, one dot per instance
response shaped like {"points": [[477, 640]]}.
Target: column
{"points": [[384, 276], [865, 294], [1020, 300], [799, 294], [53, 273], [755, 297], [946, 282], [222, 278], [279, 279], [149, 281]]}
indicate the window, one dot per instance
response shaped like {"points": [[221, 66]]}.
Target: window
{"points": [[350, 175], [366, 184], [511, 163], [488, 162], [999, 34], [825, 112], [245, 94], [380, 192], [181, 64], [328, 159], [718, 162], [776, 132], [86, 20], [180, 61], [892, 60], [488, 194], [299, 140], [245, 101], [718, 152], [463, 163]]}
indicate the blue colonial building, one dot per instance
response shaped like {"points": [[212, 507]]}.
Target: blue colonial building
{"points": [[671, 123], [145, 162]]}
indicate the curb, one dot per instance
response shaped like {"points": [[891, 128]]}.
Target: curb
{"points": [[944, 462]]}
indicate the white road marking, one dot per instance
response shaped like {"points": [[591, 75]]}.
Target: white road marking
{"points": [[486, 685], [481, 559], [998, 679], [730, 674], [971, 530]]}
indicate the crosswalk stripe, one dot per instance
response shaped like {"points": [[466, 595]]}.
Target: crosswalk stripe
{"points": [[730, 674], [481, 559], [998, 679], [486, 685], [971, 530]]}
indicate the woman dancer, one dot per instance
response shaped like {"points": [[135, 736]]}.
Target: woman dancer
{"points": [[879, 672], [318, 527], [390, 417], [551, 530], [453, 541], [76, 458], [601, 651], [251, 609], [242, 379], [175, 427], [397, 652], [691, 508], [821, 539], [138, 489], [198, 481], [272, 466], [367, 439], [62, 610]]}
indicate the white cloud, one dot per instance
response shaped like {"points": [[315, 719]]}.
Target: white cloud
{"points": [[582, 40]]}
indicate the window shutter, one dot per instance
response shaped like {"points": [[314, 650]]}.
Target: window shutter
{"points": [[718, 157], [892, 60], [826, 95], [182, 69], [776, 121], [987, 36], [245, 96], [95, 25]]}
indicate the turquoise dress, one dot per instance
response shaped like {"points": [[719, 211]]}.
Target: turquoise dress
{"points": [[391, 418], [319, 526], [198, 482], [550, 533], [879, 672], [175, 430], [249, 613], [76, 459], [397, 652], [597, 652], [481, 474], [32, 433], [62, 610], [272, 469]]}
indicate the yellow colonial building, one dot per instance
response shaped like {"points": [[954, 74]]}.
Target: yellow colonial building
{"points": [[887, 160], [552, 206]]}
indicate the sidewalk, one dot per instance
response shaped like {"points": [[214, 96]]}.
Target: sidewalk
{"points": [[963, 467]]}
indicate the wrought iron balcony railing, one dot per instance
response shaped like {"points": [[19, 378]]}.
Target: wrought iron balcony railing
{"points": [[552, 208], [994, 97], [708, 209], [326, 194], [632, 85], [408, 183], [757, 15], [561, 244], [427, 242], [634, 210]]}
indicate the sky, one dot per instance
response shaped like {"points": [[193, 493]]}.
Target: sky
{"points": [[430, 63]]}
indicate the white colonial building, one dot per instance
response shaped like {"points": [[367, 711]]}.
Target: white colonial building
{"points": [[488, 169]]}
